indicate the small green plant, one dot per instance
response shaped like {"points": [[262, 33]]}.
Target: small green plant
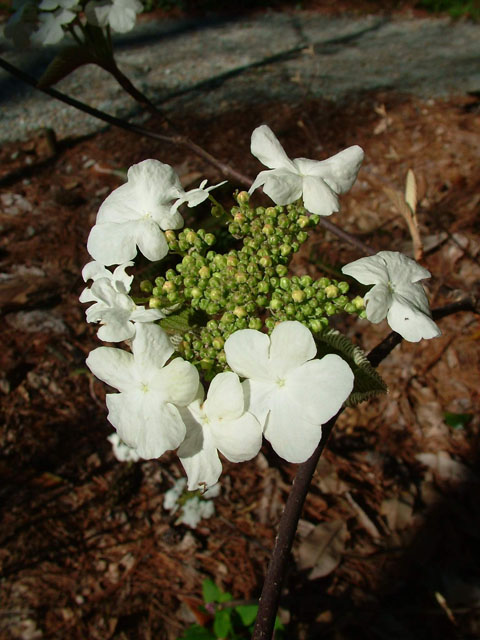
{"points": [[228, 621], [455, 8]]}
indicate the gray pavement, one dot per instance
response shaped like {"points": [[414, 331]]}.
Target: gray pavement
{"points": [[206, 67]]}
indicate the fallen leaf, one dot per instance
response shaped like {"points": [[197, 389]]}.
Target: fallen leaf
{"points": [[323, 548]]}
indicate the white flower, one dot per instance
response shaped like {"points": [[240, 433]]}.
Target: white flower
{"points": [[50, 29], [121, 451], [50, 5], [138, 212], [218, 423], [397, 294], [145, 412], [194, 509], [318, 181], [120, 15], [113, 307], [291, 394]]}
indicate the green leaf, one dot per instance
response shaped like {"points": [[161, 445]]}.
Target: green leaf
{"points": [[457, 420], [67, 60], [222, 624], [211, 593], [225, 596], [177, 322], [196, 632], [278, 626], [247, 613], [368, 382]]}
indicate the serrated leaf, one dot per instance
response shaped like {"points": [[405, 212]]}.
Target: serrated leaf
{"points": [[67, 60], [211, 593], [177, 323], [368, 382], [247, 613], [222, 624]]}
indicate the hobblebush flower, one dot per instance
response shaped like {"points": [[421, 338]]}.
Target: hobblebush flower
{"points": [[137, 213], [397, 294], [113, 307], [145, 412], [318, 182], [220, 423], [121, 451], [289, 392], [192, 509], [50, 28], [120, 15]]}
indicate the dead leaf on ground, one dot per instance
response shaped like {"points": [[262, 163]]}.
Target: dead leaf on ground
{"points": [[323, 548]]}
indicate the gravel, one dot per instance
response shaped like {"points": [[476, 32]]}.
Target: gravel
{"points": [[205, 67]]}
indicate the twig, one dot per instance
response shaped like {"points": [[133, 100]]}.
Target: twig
{"points": [[176, 139], [272, 586]]}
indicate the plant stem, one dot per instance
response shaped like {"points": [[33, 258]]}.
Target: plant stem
{"points": [[268, 604]]}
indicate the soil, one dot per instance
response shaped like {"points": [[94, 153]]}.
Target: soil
{"points": [[86, 548]]}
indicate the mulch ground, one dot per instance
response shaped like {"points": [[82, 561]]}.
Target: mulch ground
{"points": [[86, 548]]}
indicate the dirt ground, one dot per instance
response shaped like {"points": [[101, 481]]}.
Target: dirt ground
{"points": [[87, 550]]}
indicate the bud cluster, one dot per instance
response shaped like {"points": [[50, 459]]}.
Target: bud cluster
{"points": [[245, 288]]}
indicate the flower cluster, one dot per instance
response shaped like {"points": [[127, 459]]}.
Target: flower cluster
{"points": [[224, 342], [46, 22]]}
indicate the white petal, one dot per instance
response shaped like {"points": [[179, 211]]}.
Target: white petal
{"points": [[113, 366], [225, 397], [145, 422], [112, 243], [146, 315], [247, 353], [318, 197], [319, 388], [282, 186], [369, 270], [178, 381], [258, 397], [116, 331], [291, 436], [199, 457], [410, 322], [266, 147], [151, 347], [292, 344], [402, 270], [239, 439], [340, 171], [151, 240], [378, 301]]}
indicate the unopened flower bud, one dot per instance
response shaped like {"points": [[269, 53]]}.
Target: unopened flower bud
{"points": [[155, 303], [358, 302], [240, 312], [331, 291], [255, 323], [298, 295], [146, 286]]}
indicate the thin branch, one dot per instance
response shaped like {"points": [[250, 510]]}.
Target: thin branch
{"points": [[272, 586], [176, 139]]}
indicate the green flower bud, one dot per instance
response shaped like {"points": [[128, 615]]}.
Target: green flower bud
{"points": [[315, 326], [240, 312], [255, 323], [299, 316], [331, 291], [218, 343], [358, 302], [155, 303], [290, 310], [157, 292], [303, 221], [196, 292], [243, 197], [231, 260], [285, 250], [323, 282], [308, 291], [314, 219], [173, 297], [146, 286], [263, 287], [264, 262], [212, 308], [159, 282], [341, 301], [206, 364], [344, 287], [363, 315], [285, 283], [241, 276], [270, 324], [307, 310], [275, 304], [271, 212], [274, 282], [298, 295], [170, 236], [221, 357], [250, 307], [241, 323], [268, 229], [330, 309], [169, 286], [350, 308], [262, 301], [216, 211], [281, 270]]}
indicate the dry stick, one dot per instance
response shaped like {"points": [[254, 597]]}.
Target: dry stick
{"points": [[272, 586], [178, 139]]}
